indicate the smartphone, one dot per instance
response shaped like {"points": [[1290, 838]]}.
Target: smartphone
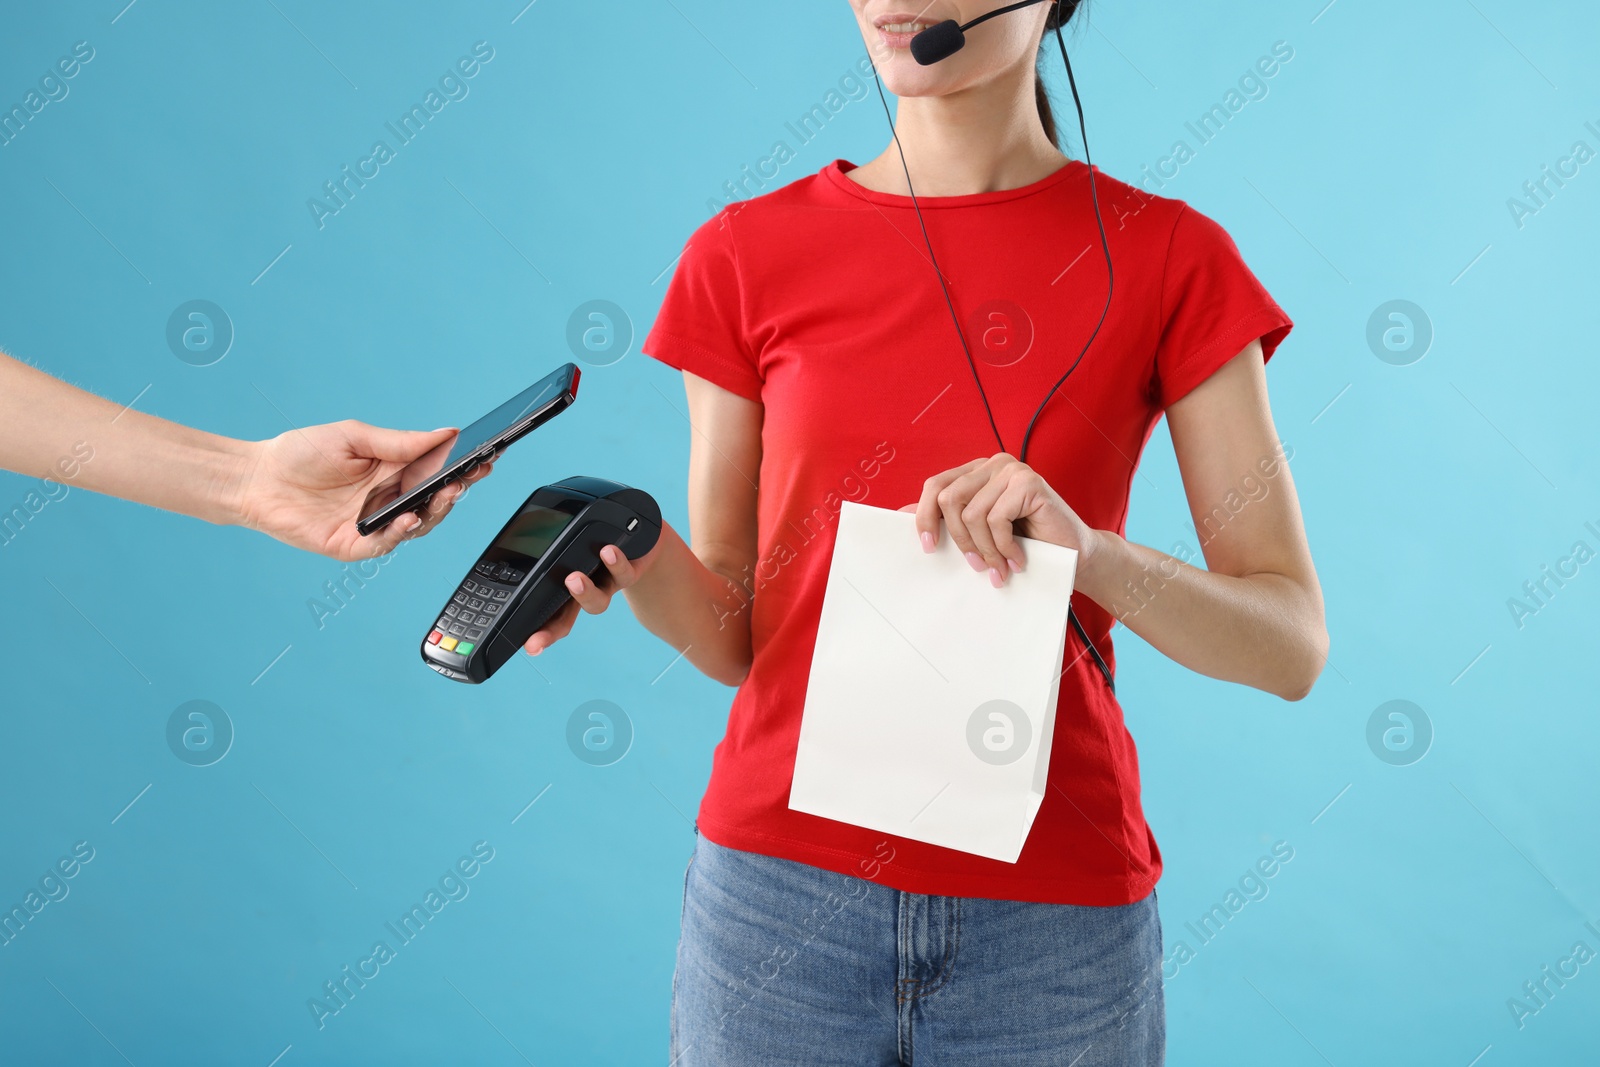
{"points": [[412, 487]]}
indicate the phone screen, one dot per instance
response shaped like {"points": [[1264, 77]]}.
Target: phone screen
{"points": [[495, 424]]}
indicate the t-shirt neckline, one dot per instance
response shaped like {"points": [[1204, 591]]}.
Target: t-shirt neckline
{"points": [[838, 169]]}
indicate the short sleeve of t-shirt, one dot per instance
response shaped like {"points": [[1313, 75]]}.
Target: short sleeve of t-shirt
{"points": [[1212, 306], [700, 327]]}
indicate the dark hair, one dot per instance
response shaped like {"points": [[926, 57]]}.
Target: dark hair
{"points": [[1061, 12]]}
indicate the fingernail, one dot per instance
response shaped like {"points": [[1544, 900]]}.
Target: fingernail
{"points": [[1016, 568], [995, 578], [609, 554], [536, 651], [975, 561], [575, 583], [927, 541]]}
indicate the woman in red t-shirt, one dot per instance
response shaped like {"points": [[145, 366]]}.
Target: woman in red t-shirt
{"points": [[822, 363]]}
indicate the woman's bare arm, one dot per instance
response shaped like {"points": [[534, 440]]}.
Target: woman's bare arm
{"points": [[1255, 615], [696, 598]]}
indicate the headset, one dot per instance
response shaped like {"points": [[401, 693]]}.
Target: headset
{"points": [[941, 41]]}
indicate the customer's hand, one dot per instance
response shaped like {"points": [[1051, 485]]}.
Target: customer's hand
{"points": [[987, 503], [620, 573], [306, 487]]}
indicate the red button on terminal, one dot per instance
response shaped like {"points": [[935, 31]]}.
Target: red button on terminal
{"points": [[433, 638]]}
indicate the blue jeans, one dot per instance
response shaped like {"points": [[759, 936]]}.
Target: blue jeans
{"points": [[784, 963]]}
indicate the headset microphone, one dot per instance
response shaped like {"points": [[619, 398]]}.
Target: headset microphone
{"points": [[945, 39], [941, 41]]}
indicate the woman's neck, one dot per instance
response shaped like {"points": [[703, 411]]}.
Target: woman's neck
{"points": [[980, 139]]}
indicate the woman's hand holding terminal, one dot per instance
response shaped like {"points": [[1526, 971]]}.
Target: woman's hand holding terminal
{"points": [[620, 573]]}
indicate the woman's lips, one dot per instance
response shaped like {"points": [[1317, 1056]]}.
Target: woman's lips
{"points": [[899, 36]]}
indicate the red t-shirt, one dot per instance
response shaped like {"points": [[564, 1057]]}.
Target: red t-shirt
{"points": [[818, 300]]}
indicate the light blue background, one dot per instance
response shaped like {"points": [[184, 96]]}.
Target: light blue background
{"points": [[1377, 168]]}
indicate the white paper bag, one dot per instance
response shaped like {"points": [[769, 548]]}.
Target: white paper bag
{"points": [[932, 696]]}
